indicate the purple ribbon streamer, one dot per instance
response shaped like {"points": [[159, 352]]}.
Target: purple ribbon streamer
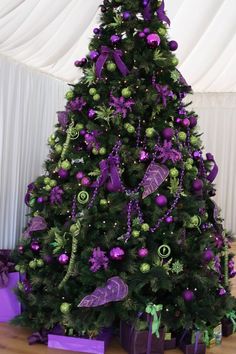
{"points": [[212, 175], [108, 171], [116, 55], [149, 343], [161, 13], [197, 337], [147, 12]]}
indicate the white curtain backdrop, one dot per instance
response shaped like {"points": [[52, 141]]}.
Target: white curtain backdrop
{"points": [[28, 104]]}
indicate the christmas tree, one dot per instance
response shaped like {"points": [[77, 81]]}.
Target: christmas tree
{"points": [[124, 216]]}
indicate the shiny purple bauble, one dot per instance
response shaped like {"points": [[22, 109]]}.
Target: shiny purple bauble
{"points": [[91, 113], [117, 253], [77, 63], [188, 295], [88, 138], [83, 61], [94, 55], [153, 40], [186, 122], [178, 120], [79, 175], [40, 200], [21, 249], [196, 155], [63, 173], [222, 292], [141, 35], [82, 132], [168, 133], [85, 181], [126, 15], [146, 30], [143, 252], [173, 45], [197, 185], [35, 246], [207, 256], [96, 31], [143, 155], [161, 200], [169, 219], [63, 258], [193, 122], [115, 39]]}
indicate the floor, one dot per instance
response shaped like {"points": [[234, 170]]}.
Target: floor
{"points": [[14, 341]]}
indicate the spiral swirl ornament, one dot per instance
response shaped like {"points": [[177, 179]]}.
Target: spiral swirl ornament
{"points": [[83, 197], [164, 251], [74, 134]]}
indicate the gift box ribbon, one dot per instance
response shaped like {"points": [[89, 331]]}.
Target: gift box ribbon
{"points": [[154, 323]]}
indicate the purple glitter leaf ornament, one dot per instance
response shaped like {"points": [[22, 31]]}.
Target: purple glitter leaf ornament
{"points": [[154, 177], [114, 290]]}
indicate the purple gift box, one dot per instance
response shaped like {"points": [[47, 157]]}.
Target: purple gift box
{"points": [[135, 342], [9, 305], [187, 346], [83, 345], [227, 327]]}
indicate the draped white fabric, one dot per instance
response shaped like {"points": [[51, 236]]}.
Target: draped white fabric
{"points": [[51, 35]]}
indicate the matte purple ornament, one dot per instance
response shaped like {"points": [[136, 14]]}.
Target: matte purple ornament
{"points": [[146, 30], [168, 133], [35, 246], [173, 45], [114, 290], [40, 200], [85, 181], [188, 295], [178, 120], [208, 255], [153, 40], [143, 252], [91, 113], [63, 259], [169, 219], [196, 155], [82, 132], [126, 15], [94, 55], [186, 122], [143, 155], [193, 122], [154, 177], [197, 185], [79, 175], [141, 35], [115, 39], [63, 174], [117, 253], [161, 200]]}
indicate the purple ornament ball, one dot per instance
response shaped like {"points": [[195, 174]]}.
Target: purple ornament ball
{"points": [[173, 45], [82, 132], [63, 173], [117, 253], [193, 122], [85, 181], [94, 55], [40, 200], [178, 120], [169, 219], [63, 259], [196, 155], [143, 252], [35, 246], [161, 200], [126, 15], [79, 175], [77, 63], [197, 185], [141, 35], [96, 31], [21, 249], [143, 155], [167, 133], [115, 39], [188, 295], [186, 122], [153, 40], [208, 255], [146, 30], [91, 113]]}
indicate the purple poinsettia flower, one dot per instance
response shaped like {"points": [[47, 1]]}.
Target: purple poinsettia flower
{"points": [[56, 195], [217, 264], [98, 260], [76, 105], [219, 242], [163, 93], [63, 119], [121, 105], [166, 152]]}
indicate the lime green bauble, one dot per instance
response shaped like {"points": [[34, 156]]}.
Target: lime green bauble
{"points": [[182, 136], [162, 31], [58, 148], [111, 66], [130, 129], [33, 264], [47, 188], [174, 172], [79, 126], [194, 141], [126, 92], [65, 308], [103, 202], [135, 233], [102, 151], [145, 227], [46, 180], [69, 95], [95, 151], [190, 161], [188, 167], [175, 61], [150, 132], [145, 267], [53, 183], [83, 197], [32, 202], [66, 165], [17, 267], [92, 91], [96, 97], [40, 263]]}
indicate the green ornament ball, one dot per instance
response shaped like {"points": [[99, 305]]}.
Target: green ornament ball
{"points": [[58, 148], [47, 188], [162, 31], [92, 91], [22, 270], [17, 267], [96, 97], [32, 202], [79, 126], [145, 227], [46, 180], [188, 167], [53, 183], [130, 129], [175, 61], [126, 92], [83, 197], [66, 165], [174, 172], [102, 151], [194, 141], [145, 267], [33, 264], [150, 132], [69, 95], [111, 67], [20, 286], [135, 233], [103, 202], [65, 308], [40, 263], [95, 151], [182, 136], [194, 171], [190, 161]]}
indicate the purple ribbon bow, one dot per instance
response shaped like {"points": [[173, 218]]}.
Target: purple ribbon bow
{"points": [[108, 172], [163, 92], [212, 175], [161, 14], [147, 12], [116, 55], [37, 223], [5, 268]]}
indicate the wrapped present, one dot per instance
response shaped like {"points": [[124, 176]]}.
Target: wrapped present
{"points": [[9, 305], [81, 345], [191, 342], [170, 341], [229, 324], [216, 336]]}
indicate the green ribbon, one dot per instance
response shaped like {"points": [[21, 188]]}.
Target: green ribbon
{"points": [[232, 317], [153, 310], [206, 338]]}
